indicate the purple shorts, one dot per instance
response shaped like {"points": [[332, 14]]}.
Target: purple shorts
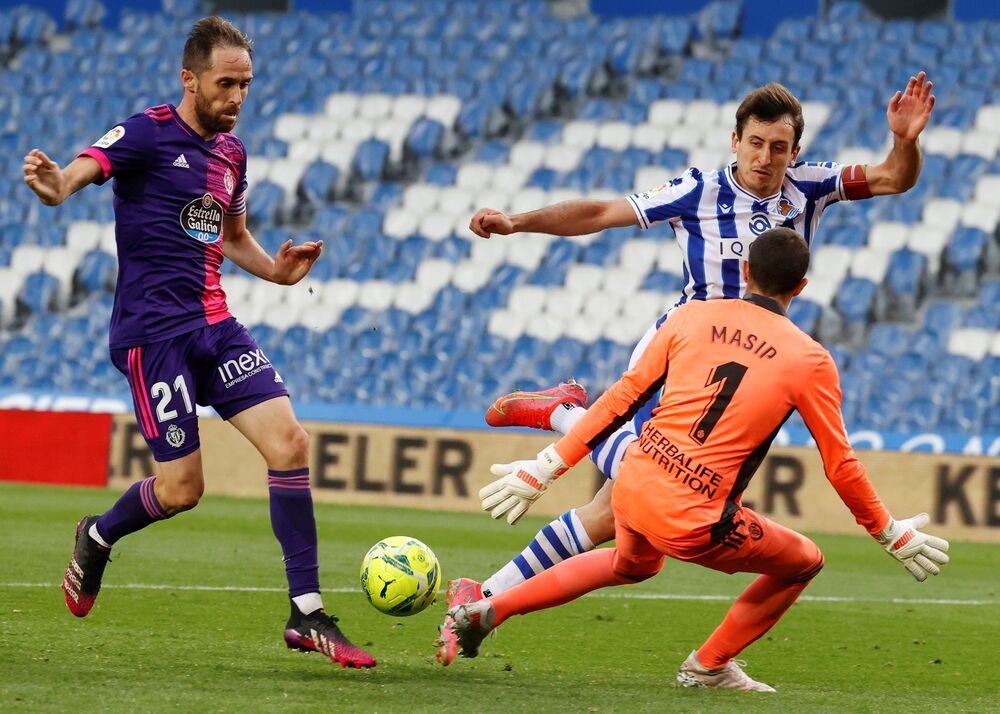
{"points": [[218, 365]]}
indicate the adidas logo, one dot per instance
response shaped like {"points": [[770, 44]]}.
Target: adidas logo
{"points": [[181, 162]]}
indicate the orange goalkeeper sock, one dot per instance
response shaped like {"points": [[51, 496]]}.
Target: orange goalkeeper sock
{"points": [[559, 584], [755, 612]]}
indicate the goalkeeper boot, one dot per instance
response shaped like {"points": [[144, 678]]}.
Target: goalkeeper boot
{"points": [[693, 674], [534, 409], [471, 624], [82, 581], [460, 592], [318, 632]]}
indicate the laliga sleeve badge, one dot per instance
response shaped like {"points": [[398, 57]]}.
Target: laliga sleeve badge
{"points": [[111, 137]]}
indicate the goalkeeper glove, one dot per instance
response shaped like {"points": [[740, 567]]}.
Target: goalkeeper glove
{"points": [[520, 484], [918, 552]]}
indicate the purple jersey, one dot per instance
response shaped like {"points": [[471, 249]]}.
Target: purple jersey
{"points": [[172, 188]]}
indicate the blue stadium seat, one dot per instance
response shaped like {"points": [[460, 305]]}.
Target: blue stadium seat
{"points": [[39, 293], [370, 159], [493, 152], [265, 202], [805, 314], [441, 173], [97, 272], [319, 181]]}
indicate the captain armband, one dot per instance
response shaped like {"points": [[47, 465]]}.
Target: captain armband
{"points": [[855, 182]]}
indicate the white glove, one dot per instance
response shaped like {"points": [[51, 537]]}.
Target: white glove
{"points": [[520, 484], [918, 552]]}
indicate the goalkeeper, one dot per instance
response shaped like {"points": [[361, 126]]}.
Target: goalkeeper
{"points": [[733, 371]]}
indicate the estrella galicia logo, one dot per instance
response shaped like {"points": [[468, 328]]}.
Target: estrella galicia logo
{"points": [[202, 219], [759, 222]]}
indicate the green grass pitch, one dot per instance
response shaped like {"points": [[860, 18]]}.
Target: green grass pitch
{"points": [[850, 645]]}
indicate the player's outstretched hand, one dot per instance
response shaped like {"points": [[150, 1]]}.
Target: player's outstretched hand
{"points": [[521, 483], [920, 553], [910, 109], [292, 263], [487, 221], [43, 176]]}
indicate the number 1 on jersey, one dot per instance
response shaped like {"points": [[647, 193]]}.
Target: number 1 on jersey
{"points": [[728, 377]]}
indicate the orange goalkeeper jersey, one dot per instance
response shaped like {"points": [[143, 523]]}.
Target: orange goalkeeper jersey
{"points": [[732, 371]]}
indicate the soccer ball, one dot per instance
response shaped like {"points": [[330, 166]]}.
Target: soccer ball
{"points": [[400, 576]]}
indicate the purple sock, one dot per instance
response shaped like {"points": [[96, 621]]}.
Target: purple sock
{"points": [[295, 528], [135, 510]]}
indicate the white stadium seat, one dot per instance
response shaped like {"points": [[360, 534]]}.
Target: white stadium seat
{"points": [[710, 158], [257, 170], [579, 133], [870, 263], [584, 329], [419, 198], [981, 143], [10, 286], [649, 177], [942, 212], [602, 307], [888, 236], [82, 236], [305, 293], [319, 317], [988, 189], [27, 259], [526, 300], [856, 155], [527, 251], [342, 106], [564, 304], [322, 129], [434, 273], [687, 137], [650, 137], [830, 261], [291, 127], [490, 253], [970, 342], [357, 130], [669, 258], [638, 255], [62, 263], [340, 153], [621, 282], [995, 344], [492, 198], [393, 132], [558, 195], [701, 113], [106, 239], [984, 216], [377, 295], [305, 150], [409, 107], [815, 115], [988, 118], [375, 106], [436, 225], [929, 240], [475, 175], [399, 223], [545, 327], [444, 108], [666, 112], [528, 199], [340, 292], [645, 307], [616, 135], [456, 199], [287, 173], [584, 279], [509, 178], [821, 289], [527, 155], [560, 157], [944, 140], [471, 276], [506, 324]]}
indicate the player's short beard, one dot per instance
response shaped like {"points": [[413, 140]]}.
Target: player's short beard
{"points": [[210, 122]]}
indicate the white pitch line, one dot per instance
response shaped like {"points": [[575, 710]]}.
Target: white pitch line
{"points": [[606, 595]]}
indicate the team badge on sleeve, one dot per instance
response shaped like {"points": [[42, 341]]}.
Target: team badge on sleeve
{"points": [[111, 137]]}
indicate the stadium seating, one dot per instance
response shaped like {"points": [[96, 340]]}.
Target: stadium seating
{"points": [[412, 123]]}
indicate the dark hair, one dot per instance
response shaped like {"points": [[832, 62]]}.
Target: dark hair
{"points": [[207, 34], [779, 259], [769, 104]]}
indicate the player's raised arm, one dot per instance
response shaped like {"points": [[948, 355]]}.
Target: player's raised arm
{"points": [[908, 113], [921, 554], [569, 218], [54, 185], [288, 266]]}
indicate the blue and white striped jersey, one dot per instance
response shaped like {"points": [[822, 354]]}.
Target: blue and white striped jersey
{"points": [[715, 219]]}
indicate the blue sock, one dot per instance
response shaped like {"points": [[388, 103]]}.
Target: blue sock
{"points": [[294, 526], [561, 539], [133, 511]]}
